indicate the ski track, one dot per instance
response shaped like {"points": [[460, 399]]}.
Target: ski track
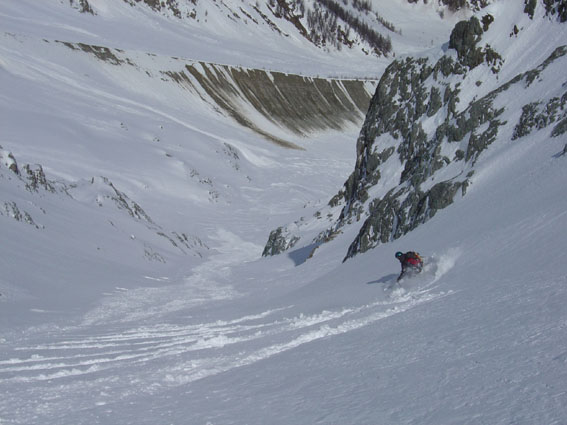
{"points": [[33, 373]]}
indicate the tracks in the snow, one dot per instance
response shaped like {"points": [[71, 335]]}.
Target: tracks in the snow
{"points": [[78, 352], [44, 374]]}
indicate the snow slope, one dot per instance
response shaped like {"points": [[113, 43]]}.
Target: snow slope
{"points": [[216, 36], [96, 329]]}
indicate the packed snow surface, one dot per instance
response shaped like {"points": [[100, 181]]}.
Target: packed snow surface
{"points": [[104, 321]]}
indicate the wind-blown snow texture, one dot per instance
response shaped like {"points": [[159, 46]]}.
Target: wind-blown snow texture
{"points": [[133, 288]]}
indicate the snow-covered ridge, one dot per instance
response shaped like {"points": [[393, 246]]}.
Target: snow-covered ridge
{"points": [[247, 34], [326, 24], [27, 189]]}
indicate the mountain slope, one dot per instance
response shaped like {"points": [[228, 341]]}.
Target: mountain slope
{"points": [[248, 34], [80, 112], [85, 90], [133, 288], [431, 119]]}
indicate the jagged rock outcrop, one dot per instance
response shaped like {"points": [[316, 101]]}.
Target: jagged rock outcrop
{"points": [[122, 201], [464, 39], [36, 179], [82, 5], [7, 160], [32, 178], [554, 8], [11, 209], [279, 242], [536, 116], [408, 205]]}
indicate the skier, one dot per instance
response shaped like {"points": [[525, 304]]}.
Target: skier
{"points": [[411, 262]]}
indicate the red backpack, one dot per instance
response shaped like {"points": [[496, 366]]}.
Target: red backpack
{"points": [[414, 259]]}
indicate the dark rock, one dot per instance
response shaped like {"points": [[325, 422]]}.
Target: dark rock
{"points": [[36, 179], [464, 38], [278, 243]]}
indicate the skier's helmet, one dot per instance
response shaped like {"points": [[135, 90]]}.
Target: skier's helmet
{"points": [[399, 254]]}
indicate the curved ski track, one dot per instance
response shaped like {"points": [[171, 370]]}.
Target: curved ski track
{"points": [[41, 378]]}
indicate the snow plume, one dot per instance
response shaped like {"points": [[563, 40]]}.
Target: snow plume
{"points": [[445, 262]]}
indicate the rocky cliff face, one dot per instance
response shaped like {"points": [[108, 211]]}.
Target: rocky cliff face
{"points": [[418, 148], [296, 103]]}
